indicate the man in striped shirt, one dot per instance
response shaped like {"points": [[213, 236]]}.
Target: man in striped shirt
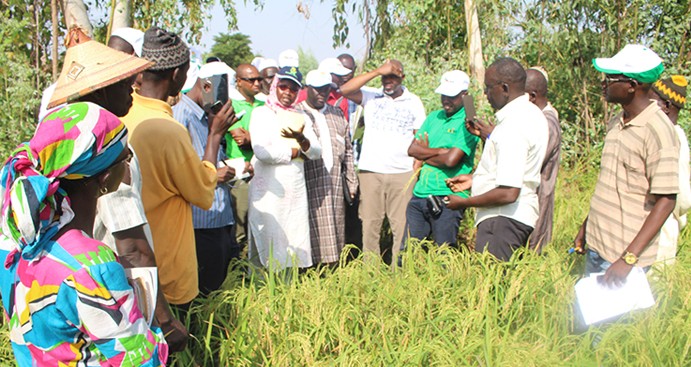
{"points": [[213, 235], [638, 182]]}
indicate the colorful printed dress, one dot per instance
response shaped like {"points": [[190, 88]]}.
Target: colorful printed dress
{"points": [[72, 306]]}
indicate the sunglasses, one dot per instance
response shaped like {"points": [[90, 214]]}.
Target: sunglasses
{"points": [[609, 80], [252, 80], [285, 87]]}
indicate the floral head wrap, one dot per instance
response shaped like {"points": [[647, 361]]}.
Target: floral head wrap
{"points": [[76, 141]]}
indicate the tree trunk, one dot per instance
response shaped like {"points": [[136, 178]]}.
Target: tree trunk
{"points": [[121, 16], [366, 18], [477, 67], [76, 15], [54, 21]]}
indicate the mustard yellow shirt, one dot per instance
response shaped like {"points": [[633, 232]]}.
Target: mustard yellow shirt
{"points": [[173, 179]]}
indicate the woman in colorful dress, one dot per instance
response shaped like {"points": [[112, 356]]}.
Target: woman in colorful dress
{"points": [[66, 297]]}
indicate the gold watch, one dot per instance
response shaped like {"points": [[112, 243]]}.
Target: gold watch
{"points": [[630, 258]]}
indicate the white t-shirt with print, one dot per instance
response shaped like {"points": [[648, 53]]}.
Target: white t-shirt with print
{"points": [[389, 125], [512, 157]]}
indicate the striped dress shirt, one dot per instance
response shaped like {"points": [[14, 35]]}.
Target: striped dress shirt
{"points": [[189, 114], [640, 159]]}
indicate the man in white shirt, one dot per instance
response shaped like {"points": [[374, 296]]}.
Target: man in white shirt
{"points": [[504, 185], [385, 170]]}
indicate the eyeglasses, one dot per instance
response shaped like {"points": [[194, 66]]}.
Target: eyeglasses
{"points": [[252, 80], [126, 158], [285, 87], [608, 80]]}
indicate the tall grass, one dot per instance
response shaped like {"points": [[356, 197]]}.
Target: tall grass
{"points": [[443, 307]]}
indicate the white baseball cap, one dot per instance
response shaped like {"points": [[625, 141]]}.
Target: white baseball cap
{"points": [[134, 37], [267, 63], [635, 61], [257, 61], [334, 66], [452, 83], [319, 78], [215, 68], [288, 58], [192, 76]]}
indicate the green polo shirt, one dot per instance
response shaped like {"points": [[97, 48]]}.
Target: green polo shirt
{"points": [[445, 132], [232, 148]]}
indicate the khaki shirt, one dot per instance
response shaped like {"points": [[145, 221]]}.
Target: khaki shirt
{"points": [[640, 159]]}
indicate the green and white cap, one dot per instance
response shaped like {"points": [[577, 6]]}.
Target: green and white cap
{"points": [[635, 61]]}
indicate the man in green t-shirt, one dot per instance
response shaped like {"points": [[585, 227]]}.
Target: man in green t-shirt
{"points": [[446, 149], [239, 141]]}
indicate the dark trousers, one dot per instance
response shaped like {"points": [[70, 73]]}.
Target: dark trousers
{"points": [[215, 248], [421, 223], [501, 236]]}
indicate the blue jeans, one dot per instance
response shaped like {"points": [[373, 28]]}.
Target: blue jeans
{"points": [[421, 223], [594, 263]]}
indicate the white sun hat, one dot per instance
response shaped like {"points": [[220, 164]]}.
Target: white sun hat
{"points": [[334, 66], [452, 83], [319, 78], [635, 61]]}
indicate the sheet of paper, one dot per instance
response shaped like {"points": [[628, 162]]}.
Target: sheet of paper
{"points": [[238, 164], [144, 282], [599, 302]]}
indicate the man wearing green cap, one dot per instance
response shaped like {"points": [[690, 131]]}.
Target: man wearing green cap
{"points": [[638, 183]]}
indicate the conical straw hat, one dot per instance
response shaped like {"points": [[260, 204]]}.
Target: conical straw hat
{"points": [[90, 66]]}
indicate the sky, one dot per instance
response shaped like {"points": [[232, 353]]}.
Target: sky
{"points": [[279, 26]]}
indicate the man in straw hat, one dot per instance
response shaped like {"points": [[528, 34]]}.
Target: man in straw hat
{"points": [[670, 94], [120, 221], [638, 183], [173, 176]]}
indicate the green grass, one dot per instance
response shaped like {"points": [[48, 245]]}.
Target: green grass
{"points": [[442, 308]]}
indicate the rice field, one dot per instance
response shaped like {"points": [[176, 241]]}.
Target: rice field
{"points": [[443, 307]]}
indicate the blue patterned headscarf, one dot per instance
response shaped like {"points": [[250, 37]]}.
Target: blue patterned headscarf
{"points": [[76, 141]]}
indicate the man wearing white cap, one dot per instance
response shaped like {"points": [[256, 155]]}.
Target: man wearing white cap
{"points": [[336, 70], [213, 228], [391, 117], [267, 70], [324, 177], [446, 149], [638, 183], [504, 185]]}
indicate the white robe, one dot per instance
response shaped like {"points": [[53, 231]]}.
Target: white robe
{"points": [[278, 223]]}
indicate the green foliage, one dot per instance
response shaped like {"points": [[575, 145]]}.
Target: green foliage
{"points": [[307, 61], [18, 97], [443, 307], [233, 49]]}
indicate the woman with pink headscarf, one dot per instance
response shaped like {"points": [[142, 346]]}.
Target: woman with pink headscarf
{"points": [[282, 138]]}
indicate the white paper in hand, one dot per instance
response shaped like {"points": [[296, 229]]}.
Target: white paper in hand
{"points": [[238, 164], [599, 302]]}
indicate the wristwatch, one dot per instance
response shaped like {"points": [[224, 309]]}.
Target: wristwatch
{"points": [[630, 258]]}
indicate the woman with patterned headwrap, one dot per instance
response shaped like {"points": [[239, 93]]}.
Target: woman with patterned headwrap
{"points": [[278, 214], [65, 295]]}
